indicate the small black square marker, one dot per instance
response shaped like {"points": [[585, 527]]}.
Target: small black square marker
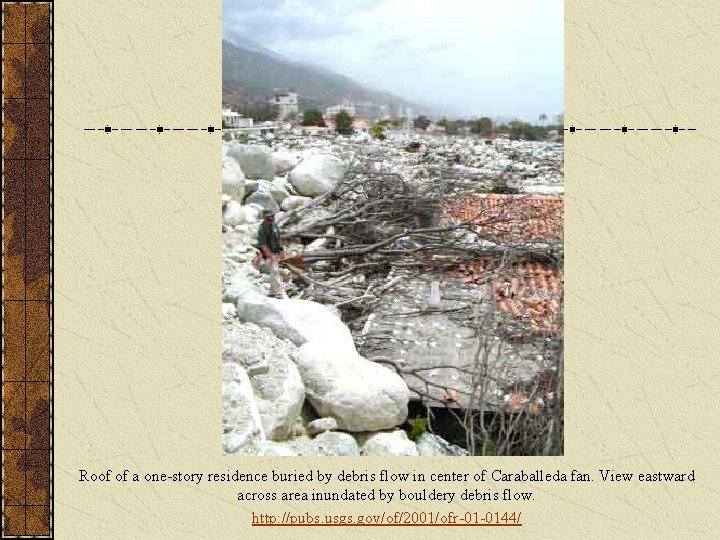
{"points": [[108, 129], [211, 129], [572, 129], [624, 129], [159, 129], [675, 129]]}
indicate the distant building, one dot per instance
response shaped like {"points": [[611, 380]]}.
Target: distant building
{"points": [[231, 119], [346, 106], [286, 101]]}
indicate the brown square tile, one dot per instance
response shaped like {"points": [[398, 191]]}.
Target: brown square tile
{"points": [[38, 416], [14, 341], [38, 22], [38, 476], [38, 520], [14, 71], [37, 121], [14, 23], [38, 341], [13, 127], [14, 412], [13, 520], [14, 476], [38, 71], [38, 226]]}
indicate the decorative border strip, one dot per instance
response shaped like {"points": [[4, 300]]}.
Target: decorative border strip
{"points": [[27, 278]]}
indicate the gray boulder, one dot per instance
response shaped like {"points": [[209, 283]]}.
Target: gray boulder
{"points": [[333, 443], [240, 417], [393, 443], [264, 199], [284, 161], [321, 425], [255, 161], [429, 445], [276, 383]]}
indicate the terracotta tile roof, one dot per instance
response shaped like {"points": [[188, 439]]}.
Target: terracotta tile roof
{"points": [[509, 218], [529, 293]]}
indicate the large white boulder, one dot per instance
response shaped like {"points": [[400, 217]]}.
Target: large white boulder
{"points": [[233, 179], [237, 214], [276, 383], [240, 417], [300, 321], [284, 161], [255, 161], [361, 395], [294, 201], [393, 443], [317, 174]]}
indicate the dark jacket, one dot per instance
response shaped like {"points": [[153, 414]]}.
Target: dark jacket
{"points": [[269, 235]]}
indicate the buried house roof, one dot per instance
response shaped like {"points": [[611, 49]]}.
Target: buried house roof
{"points": [[509, 218]]}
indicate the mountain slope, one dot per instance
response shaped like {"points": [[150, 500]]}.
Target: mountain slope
{"points": [[259, 73]]}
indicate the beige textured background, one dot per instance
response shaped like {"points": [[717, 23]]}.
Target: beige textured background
{"points": [[137, 274]]}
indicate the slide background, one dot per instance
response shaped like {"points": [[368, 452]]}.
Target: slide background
{"points": [[137, 281]]}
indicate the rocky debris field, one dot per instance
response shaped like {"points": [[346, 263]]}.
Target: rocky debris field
{"points": [[311, 373]]}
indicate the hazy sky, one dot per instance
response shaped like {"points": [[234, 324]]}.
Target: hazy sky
{"points": [[469, 57]]}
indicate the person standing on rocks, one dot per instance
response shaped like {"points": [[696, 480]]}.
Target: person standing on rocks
{"points": [[270, 247]]}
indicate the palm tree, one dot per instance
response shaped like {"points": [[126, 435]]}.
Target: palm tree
{"points": [[542, 118]]}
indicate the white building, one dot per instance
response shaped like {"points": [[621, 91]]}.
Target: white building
{"points": [[231, 119], [286, 101], [346, 106]]}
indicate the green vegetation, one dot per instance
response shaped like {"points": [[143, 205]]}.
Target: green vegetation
{"points": [[261, 112], [378, 130], [313, 117], [482, 126], [418, 426], [451, 126], [343, 123]]}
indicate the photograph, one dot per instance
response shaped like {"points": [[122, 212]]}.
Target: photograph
{"points": [[392, 228]]}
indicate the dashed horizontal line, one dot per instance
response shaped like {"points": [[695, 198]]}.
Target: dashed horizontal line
{"points": [[625, 129], [158, 129]]}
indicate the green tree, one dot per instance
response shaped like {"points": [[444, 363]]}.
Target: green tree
{"points": [[482, 126], [260, 112], [421, 122], [523, 130], [451, 127], [378, 130], [542, 118], [343, 123], [313, 117]]}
